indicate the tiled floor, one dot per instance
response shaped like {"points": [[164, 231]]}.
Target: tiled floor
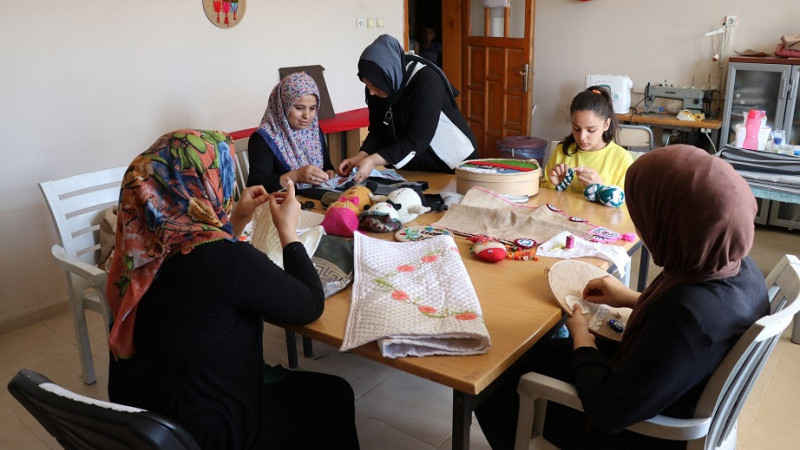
{"points": [[394, 410]]}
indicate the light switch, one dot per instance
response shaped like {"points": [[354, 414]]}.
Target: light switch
{"points": [[379, 21], [370, 22]]}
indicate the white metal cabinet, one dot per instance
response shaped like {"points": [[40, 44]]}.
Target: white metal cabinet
{"points": [[768, 84]]}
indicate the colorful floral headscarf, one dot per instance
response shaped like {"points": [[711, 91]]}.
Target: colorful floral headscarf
{"points": [[174, 196], [296, 148]]}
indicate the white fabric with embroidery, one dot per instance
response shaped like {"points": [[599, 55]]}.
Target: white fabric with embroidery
{"points": [[556, 248], [414, 299]]}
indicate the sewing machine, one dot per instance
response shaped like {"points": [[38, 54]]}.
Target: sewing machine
{"points": [[693, 99]]}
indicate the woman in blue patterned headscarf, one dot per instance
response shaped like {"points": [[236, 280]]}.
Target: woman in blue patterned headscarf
{"points": [[288, 145]]}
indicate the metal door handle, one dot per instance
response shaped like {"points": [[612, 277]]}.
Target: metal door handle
{"points": [[524, 73]]}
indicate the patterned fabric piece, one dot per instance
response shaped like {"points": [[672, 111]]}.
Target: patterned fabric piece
{"points": [[415, 299], [175, 196], [555, 248], [297, 148], [483, 212]]}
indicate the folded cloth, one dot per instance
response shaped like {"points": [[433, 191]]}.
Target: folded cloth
{"points": [[483, 212], [555, 248], [415, 299], [782, 50], [791, 41]]}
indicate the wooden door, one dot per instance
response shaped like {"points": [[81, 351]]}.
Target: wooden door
{"points": [[497, 71]]}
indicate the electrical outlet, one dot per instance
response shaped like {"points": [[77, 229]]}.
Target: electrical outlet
{"points": [[731, 21], [361, 23]]}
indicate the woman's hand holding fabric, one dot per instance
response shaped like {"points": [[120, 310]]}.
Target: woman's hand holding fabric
{"points": [[346, 166], [610, 291], [309, 174], [579, 329], [285, 211], [252, 197]]}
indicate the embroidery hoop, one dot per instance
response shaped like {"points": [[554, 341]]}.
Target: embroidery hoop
{"points": [[568, 277]]}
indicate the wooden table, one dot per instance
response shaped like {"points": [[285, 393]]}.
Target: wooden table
{"points": [[669, 121], [517, 304]]}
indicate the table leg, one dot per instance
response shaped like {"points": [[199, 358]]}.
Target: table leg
{"points": [[291, 349], [644, 266], [462, 419], [308, 349]]}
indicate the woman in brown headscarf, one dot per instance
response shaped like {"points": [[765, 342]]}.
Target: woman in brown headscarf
{"points": [[695, 215]]}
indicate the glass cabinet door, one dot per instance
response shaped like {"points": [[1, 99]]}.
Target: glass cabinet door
{"points": [[754, 86]]}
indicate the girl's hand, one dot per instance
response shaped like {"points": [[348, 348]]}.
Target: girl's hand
{"points": [[587, 175], [610, 291], [579, 329], [557, 173]]}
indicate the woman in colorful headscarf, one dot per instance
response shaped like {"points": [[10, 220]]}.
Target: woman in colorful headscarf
{"points": [[414, 121], [289, 145], [188, 300], [695, 215]]}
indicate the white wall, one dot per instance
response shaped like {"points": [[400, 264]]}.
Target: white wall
{"points": [[647, 40], [86, 85]]}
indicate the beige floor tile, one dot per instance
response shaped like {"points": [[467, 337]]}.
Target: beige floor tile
{"points": [[412, 405], [394, 410], [376, 435]]}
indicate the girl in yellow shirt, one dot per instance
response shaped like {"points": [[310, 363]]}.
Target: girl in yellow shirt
{"points": [[589, 150]]}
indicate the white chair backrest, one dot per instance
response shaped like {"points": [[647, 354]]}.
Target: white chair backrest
{"points": [[635, 136], [76, 205], [242, 163], [726, 391]]}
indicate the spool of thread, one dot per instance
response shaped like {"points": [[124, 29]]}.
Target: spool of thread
{"points": [[570, 242]]}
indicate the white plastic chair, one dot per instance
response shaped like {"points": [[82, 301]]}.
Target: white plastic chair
{"points": [[715, 422], [76, 205], [634, 137], [242, 163]]}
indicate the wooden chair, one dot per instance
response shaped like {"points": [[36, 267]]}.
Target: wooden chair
{"points": [[77, 421], [715, 422], [242, 172], [76, 205]]}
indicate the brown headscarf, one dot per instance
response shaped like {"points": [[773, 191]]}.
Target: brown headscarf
{"points": [[694, 214]]}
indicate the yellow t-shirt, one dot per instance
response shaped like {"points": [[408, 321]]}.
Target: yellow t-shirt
{"points": [[611, 162]]}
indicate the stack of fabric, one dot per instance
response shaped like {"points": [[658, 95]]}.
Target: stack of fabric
{"points": [[789, 46], [414, 299], [766, 170]]}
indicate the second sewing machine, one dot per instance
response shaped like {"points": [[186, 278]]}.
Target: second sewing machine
{"points": [[694, 99]]}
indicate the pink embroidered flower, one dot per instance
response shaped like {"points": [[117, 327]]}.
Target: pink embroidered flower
{"points": [[405, 268], [427, 309], [399, 295], [466, 316], [429, 258]]}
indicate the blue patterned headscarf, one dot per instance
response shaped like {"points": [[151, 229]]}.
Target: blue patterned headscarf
{"points": [[295, 148]]}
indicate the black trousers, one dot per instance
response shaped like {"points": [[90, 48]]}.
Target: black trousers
{"points": [[309, 410]]}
